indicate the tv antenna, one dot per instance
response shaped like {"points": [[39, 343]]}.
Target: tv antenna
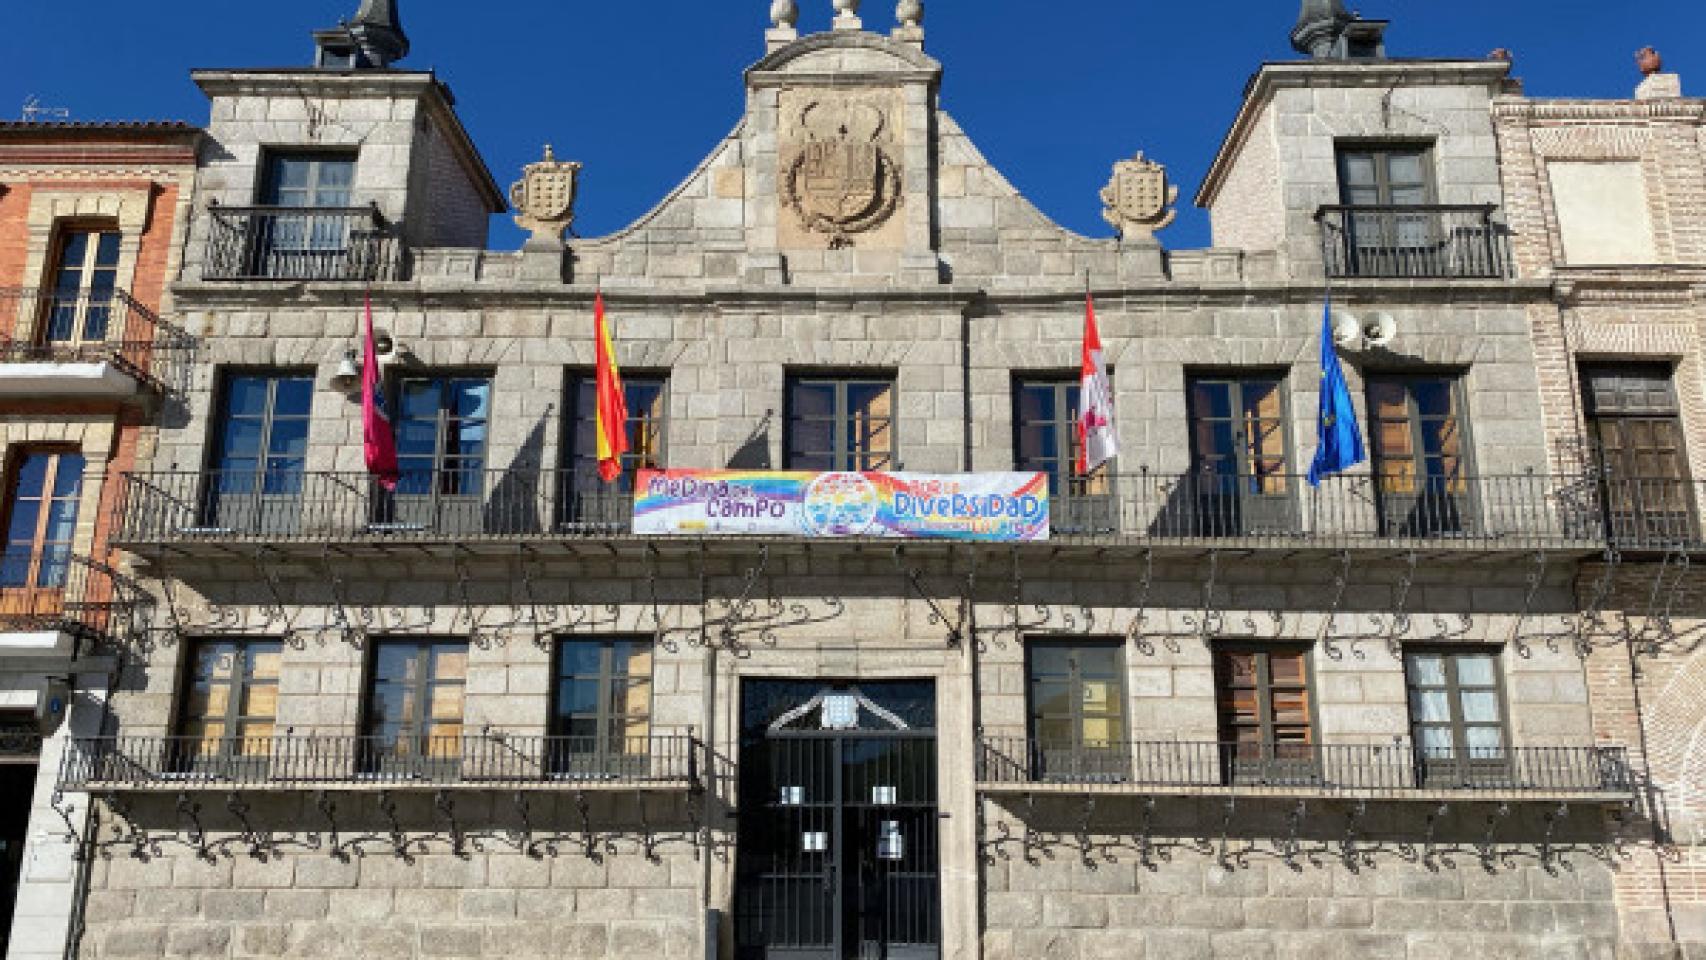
{"points": [[34, 112]]}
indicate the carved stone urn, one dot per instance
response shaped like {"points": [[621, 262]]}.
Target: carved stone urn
{"points": [[910, 13], [784, 13], [1649, 61]]}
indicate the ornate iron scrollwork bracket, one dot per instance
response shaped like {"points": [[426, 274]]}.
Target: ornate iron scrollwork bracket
{"points": [[1352, 855], [914, 577], [1431, 858], [1487, 849], [1400, 607], [1590, 620], [742, 608], [1536, 579], [1548, 853], [340, 606], [1136, 633], [189, 811], [1341, 582], [1657, 629], [476, 635], [1210, 621]]}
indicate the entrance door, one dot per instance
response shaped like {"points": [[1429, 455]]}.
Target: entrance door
{"points": [[838, 855], [17, 784]]}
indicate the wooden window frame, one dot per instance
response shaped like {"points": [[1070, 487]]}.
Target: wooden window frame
{"points": [[1238, 381], [187, 755], [444, 482], [603, 760], [267, 190], [1080, 504], [31, 589], [83, 301], [1269, 765], [1383, 151], [420, 760], [1462, 767], [842, 453], [269, 413], [1081, 761], [586, 461]]}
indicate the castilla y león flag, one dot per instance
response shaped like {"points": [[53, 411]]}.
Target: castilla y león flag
{"points": [[378, 441], [612, 402], [1097, 441]]}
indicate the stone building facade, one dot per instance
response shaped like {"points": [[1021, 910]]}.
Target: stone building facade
{"points": [[91, 223], [1220, 712]]}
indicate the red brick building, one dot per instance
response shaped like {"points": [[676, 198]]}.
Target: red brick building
{"points": [[92, 219], [1607, 198]]}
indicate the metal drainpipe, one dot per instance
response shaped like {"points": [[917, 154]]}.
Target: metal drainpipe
{"points": [[713, 918]]}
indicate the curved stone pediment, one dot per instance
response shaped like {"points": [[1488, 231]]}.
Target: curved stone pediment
{"points": [[845, 170]]}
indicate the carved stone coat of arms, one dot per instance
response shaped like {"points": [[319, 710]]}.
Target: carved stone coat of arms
{"points": [[841, 180], [544, 197], [1139, 200]]}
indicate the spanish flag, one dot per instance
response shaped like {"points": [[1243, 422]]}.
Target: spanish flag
{"points": [[612, 402]]}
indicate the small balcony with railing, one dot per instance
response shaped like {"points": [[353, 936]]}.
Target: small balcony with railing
{"points": [[61, 605], [1433, 242], [88, 345], [302, 244], [491, 760], [1398, 770], [1476, 513]]}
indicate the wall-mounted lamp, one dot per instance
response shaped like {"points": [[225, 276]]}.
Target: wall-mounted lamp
{"points": [[348, 377]]}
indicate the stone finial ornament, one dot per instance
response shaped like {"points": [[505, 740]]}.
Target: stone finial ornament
{"points": [[847, 15], [544, 198], [1319, 24], [784, 14], [910, 14], [1139, 200], [1649, 61]]}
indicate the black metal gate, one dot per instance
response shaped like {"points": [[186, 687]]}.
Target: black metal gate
{"points": [[837, 855]]}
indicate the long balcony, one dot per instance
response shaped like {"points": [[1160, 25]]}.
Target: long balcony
{"points": [[1399, 770], [88, 345], [50, 606], [491, 760], [1278, 511], [1414, 242], [302, 244]]}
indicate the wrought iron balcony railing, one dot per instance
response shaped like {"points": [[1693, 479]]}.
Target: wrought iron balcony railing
{"points": [[302, 243], [490, 760], [1652, 514], [89, 600], [108, 327], [1525, 512], [1413, 242], [1391, 770]]}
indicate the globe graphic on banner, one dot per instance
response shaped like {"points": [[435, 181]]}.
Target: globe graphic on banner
{"points": [[840, 505]]}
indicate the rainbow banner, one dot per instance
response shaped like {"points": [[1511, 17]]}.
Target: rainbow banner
{"points": [[994, 507]]}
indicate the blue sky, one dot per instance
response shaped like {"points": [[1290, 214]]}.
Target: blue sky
{"points": [[640, 90]]}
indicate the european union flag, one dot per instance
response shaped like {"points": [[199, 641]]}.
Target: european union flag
{"points": [[1340, 438]]}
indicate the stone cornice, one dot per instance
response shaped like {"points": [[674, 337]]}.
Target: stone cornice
{"points": [[1686, 109], [912, 65], [1164, 295]]}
